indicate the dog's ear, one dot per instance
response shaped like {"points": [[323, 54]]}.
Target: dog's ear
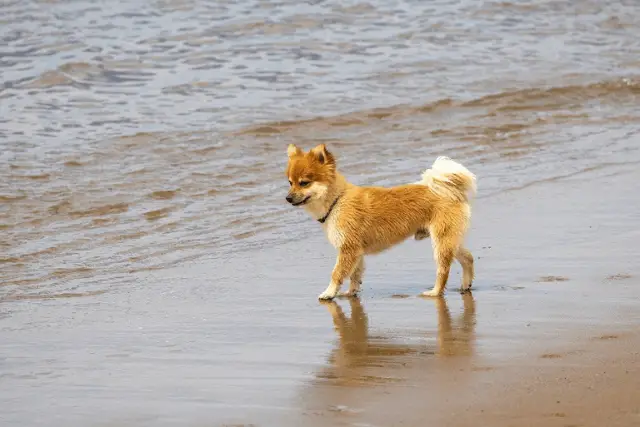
{"points": [[323, 155], [292, 150]]}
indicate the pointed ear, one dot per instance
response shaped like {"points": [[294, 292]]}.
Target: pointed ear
{"points": [[323, 155], [292, 150]]}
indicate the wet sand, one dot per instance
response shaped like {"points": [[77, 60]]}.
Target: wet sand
{"points": [[587, 381], [592, 383], [225, 341]]}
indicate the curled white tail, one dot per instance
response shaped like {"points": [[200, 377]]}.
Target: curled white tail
{"points": [[450, 179]]}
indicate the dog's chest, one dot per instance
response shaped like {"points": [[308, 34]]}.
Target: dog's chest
{"points": [[333, 232]]}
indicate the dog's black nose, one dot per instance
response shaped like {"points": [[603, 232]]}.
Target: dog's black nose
{"points": [[289, 199]]}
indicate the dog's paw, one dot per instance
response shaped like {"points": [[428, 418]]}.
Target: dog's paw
{"points": [[349, 294], [465, 289], [327, 295], [431, 293]]}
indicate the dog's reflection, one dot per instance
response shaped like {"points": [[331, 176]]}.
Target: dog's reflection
{"points": [[456, 338], [357, 350]]}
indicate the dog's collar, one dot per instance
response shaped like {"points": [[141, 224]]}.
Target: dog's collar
{"points": [[333, 205]]}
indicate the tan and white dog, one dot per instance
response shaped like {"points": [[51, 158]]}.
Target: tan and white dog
{"points": [[359, 221]]}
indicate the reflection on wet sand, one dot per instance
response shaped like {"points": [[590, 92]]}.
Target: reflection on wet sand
{"points": [[456, 338], [364, 370], [361, 358]]}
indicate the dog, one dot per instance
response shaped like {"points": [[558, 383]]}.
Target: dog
{"points": [[360, 221]]}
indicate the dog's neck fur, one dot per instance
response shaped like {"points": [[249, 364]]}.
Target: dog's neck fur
{"points": [[318, 208]]}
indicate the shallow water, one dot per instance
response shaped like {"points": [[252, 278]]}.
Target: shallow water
{"points": [[142, 150]]}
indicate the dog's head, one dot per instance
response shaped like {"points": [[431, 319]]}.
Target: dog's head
{"points": [[310, 174]]}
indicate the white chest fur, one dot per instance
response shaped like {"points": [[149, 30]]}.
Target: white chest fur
{"points": [[333, 232]]}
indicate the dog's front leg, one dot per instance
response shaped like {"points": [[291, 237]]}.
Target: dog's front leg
{"points": [[346, 262], [355, 278]]}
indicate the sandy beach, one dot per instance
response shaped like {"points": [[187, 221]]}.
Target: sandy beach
{"points": [[549, 335]]}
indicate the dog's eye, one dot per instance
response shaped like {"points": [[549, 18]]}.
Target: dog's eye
{"points": [[304, 183], [290, 183]]}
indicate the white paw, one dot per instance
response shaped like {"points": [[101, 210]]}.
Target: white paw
{"points": [[327, 295], [431, 293]]}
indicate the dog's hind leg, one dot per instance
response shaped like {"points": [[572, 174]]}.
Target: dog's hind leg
{"points": [[465, 258], [445, 247], [355, 280]]}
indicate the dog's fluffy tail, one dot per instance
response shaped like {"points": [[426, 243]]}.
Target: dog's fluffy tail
{"points": [[449, 179]]}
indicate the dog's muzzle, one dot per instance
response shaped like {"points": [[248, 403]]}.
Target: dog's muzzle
{"points": [[296, 200]]}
